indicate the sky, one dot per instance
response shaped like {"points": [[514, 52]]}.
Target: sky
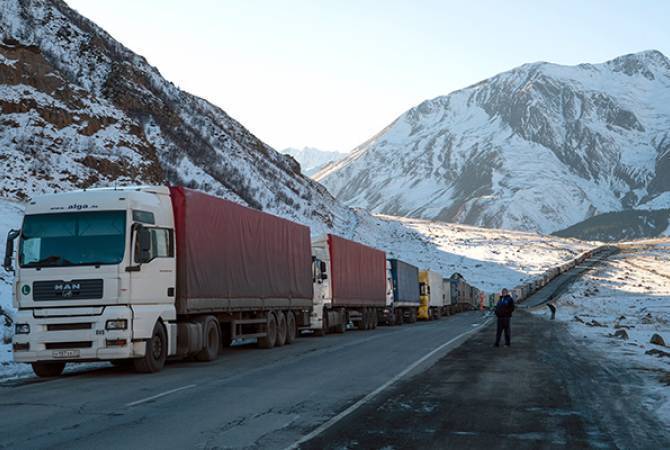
{"points": [[331, 74]]}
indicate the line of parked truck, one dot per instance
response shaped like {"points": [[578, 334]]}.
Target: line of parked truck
{"points": [[139, 275]]}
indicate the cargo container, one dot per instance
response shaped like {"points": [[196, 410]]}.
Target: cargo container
{"points": [[145, 273], [403, 294], [432, 300], [457, 283], [350, 284]]}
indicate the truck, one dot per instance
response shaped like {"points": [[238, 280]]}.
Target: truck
{"points": [[433, 298], [349, 284], [402, 301], [141, 274]]}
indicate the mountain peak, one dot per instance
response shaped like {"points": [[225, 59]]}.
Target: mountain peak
{"points": [[539, 147], [642, 63]]}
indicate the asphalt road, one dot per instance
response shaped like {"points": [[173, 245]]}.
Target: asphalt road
{"points": [[248, 398], [559, 284]]}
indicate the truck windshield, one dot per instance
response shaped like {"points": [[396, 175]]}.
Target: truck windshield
{"points": [[72, 239]]}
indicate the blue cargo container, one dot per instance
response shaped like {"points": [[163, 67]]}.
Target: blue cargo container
{"points": [[404, 278]]}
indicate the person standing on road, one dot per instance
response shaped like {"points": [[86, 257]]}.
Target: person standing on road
{"points": [[503, 311]]}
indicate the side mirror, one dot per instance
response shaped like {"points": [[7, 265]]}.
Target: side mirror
{"points": [[323, 267], [9, 250], [144, 240]]}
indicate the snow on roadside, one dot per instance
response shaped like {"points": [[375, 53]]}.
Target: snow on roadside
{"points": [[629, 293], [489, 259], [10, 217]]}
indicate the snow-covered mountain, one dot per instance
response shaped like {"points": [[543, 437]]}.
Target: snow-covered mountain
{"points": [[312, 159], [79, 109], [540, 147]]}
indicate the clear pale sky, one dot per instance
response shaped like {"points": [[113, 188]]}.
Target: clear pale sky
{"points": [[331, 74]]}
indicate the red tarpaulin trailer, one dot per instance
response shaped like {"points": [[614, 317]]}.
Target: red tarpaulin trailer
{"points": [[233, 257], [359, 273]]}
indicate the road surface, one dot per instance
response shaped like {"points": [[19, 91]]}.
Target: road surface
{"points": [[248, 398]]}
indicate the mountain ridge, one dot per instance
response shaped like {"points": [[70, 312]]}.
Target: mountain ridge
{"points": [[596, 132]]}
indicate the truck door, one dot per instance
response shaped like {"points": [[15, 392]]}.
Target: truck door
{"points": [[154, 275]]}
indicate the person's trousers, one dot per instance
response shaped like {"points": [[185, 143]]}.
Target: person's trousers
{"points": [[504, 325]]}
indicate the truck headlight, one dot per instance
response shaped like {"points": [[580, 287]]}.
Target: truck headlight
{"points": [[21, 328], [116, 324]]}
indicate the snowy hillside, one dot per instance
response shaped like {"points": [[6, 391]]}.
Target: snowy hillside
{"points": [[312, 159], [489, 259], [79, 109], [540, 147]]}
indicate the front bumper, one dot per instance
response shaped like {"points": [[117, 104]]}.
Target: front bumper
{"points": [[76, 338]]}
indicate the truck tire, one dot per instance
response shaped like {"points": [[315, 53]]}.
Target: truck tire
{"points": [[324, 325], [399, 316], [281, 329], [270, 338], [48, 369], [412, 315], [341, 327], [291, 330], [372, 316], [212, 340], [364, 323], [156, 352]]}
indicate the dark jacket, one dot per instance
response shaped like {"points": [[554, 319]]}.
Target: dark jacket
{"points": [[505, 306]]}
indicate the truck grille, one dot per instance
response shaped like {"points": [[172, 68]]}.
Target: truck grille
{"points": [[67, 290]]}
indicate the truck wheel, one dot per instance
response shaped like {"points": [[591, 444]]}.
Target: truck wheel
{"points": [[48, 369], [324, 325], [364, 323], [399, 316], [412, 316], [156, 352], [370, 326], [341, 327], [281, 329], [291, 330], [270, 338], [212, 337]]}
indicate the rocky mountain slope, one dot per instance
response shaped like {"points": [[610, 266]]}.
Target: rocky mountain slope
{"points": [[312, 159], [628, 225], [79, 109], [540, 147]]}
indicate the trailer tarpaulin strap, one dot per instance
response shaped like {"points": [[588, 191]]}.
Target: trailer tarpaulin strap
{"points": [[225, 250]]}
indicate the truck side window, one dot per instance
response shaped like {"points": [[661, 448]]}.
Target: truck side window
{"points": [[162, 244]]}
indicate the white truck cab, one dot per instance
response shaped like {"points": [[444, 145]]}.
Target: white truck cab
{"points": [[321, 279], [95, 272]]}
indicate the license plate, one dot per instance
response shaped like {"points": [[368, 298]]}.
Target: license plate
{"points": [[65, 354]]}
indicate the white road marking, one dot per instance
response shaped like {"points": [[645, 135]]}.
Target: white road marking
{"points": [[162, 394], [332, 421]]}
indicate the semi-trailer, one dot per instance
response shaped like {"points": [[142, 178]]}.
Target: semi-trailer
{"points": [[350, 285], [146, 273], [403, 297], [432, 298]]}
